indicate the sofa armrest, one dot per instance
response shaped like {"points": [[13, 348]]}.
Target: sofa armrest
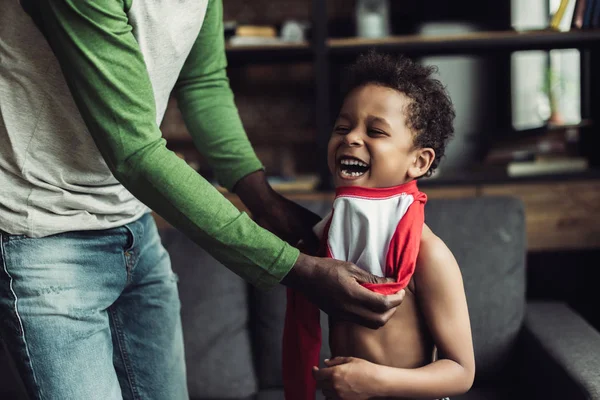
{"points": [[559, 353]]}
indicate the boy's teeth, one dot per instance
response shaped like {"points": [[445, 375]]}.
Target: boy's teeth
{"points": [[353, 162], [348, 173]]}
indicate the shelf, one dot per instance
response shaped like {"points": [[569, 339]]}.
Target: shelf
{"points": [[496, 175], [476, 42], [268, 53], [559, 215]]}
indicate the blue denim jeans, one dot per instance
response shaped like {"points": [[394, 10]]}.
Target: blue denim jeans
{"points": [[93, 314]]}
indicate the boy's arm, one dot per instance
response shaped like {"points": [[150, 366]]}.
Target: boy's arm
{"points": [[440, 292]]}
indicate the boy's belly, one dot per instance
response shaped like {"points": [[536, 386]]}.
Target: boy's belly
{"points": [[404, 342]]}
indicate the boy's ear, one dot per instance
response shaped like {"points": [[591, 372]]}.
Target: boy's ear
{"points": [[423, 158]]}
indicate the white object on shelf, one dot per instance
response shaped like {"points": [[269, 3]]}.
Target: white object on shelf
{"points": [[557, 166], [372, 18], [529, 14], [293, 31]]}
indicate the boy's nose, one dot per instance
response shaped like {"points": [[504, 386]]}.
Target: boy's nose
{"points": [[353, 138]]}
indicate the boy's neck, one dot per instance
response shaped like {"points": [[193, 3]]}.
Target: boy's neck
{"points": [[375, 192]]}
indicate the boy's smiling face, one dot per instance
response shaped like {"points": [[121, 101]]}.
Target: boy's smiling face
{"points": [[371, 145]]}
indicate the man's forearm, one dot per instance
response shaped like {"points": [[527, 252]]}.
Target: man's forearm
{"points": [[255, 192], [436, 380]]}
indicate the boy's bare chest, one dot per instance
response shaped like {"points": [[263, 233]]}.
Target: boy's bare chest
{"points": [[404, 342]]}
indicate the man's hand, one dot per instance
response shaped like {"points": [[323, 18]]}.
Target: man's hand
{"points": [[334, 286], [286, 219], [347, 378]]}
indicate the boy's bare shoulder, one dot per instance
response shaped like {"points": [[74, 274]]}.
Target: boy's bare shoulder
{"points": [[435, 259], [432, 245]]}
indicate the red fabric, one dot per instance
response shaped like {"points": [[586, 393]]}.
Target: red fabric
{"points": [[302, 330], [376, 193], [404, 246]]}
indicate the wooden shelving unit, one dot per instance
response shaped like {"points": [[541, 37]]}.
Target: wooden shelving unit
{"points": [[468, 43], [328, 50], [471, 43]]}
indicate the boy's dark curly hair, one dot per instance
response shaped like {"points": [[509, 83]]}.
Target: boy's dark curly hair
{"points": [[430, 114]]}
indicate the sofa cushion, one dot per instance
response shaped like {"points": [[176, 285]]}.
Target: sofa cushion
{"points": [[214, 315], [487, 237]]}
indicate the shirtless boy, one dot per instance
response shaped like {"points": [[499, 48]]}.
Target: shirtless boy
{"points": [[392, 129]]}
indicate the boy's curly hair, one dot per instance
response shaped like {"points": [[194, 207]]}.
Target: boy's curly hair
{"points": [[430, 114]]}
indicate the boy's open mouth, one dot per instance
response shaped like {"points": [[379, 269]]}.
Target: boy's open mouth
{"points": [[352, 167]]}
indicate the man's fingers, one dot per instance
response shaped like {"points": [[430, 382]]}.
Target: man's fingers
{"points": [[337, 361], [321, 375], [375, 301], [382, 279], [363, 276], [396, 298]]}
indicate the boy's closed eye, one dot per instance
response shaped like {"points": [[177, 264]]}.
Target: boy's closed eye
{"points": [[376, 133], [341, 130]]}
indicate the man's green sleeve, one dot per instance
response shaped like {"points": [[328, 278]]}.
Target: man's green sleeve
{"points": [[105, 71], [206, 103]]}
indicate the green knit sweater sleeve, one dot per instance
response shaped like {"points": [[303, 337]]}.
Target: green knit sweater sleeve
{"points": [[206, 103], [105, 71]]}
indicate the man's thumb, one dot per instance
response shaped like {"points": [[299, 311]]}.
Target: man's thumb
{"points": [[366, 277]]}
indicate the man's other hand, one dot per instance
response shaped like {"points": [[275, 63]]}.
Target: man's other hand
{"points": [[285, 218]]}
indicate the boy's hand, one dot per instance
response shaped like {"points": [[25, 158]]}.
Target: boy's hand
{"points": [[347, 378], [335, 287]]}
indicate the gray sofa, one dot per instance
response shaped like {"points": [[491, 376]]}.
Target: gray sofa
{"points": [[533, 350]]}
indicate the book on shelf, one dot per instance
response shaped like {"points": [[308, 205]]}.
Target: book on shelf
{"points": [[548, 140], [596, 15], [256, 31], [588, 13], [561, 20], [254, 35], [553, 149], [577, 21]]}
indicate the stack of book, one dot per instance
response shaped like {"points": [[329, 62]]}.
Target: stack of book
{"points": [[255, 35], [554, 152], [576, 14]]}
